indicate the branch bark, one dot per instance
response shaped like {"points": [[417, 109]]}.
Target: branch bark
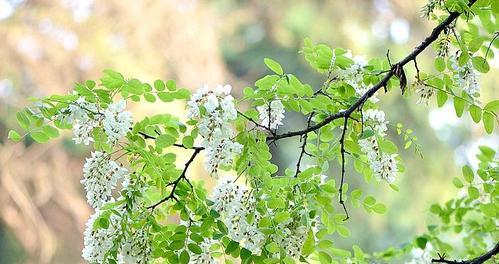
{"points": [[478, 260], [183, 176], [395, 70]]}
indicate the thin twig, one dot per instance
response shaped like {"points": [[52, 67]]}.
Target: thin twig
{"points": [[183, 176], [478, 260]]}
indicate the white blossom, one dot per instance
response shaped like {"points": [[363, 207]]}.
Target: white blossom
{"points": [[98, 241], [383, 165], [420, 256], [100, 177], [214, 125], [205, 257], [465, 76], [354, 76], [136, 249], [85, 116], [375, 119], [220, 154], [425, 94], [116, 121], [82, 130], [235, 204], [273, 119]]}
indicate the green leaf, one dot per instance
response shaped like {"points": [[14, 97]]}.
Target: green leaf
{"points": [[421, 242], [489, 209], [22, 120], [309, 244], [480, 64], [343, 231], [194, 248], [150, 97], [14, 136], [165, 97], [103, 222], [272, 247], [182, 94], [39, 137], [171, 85], [281, 217], [473, 192], [459, 106], [475, 113], [475, 44], [184, 257], [159, 85], [468, 173], [164, 140], [441, 98], [188, 141], [488, 122], [273, 65], [379, 208], [232, 246], [457, 182], [492, 106], [50, 131], [370, 201], [440, 64]]}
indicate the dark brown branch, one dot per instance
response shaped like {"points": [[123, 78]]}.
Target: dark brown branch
{"points": [[183, 176], [303, 145], [342, 152], [397, 67], [478, 260]]}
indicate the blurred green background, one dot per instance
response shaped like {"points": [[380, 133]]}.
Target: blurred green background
{"points": [[47, 46]]}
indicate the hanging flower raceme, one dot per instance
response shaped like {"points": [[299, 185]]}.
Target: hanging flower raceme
{"points": [[383, 165], [271, 114], [116, 121], [425, 93], [235, 203], [101, 175], [214, 111], [86, 116], [98, 241], [205, 257], [465, 76], [136, 249], [354, 76]]}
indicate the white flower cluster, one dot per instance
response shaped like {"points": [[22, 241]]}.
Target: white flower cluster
{"points": [[85, 116], [132, 189], [465, 76], [136, 249], [384, 166], [235, 204], [205, 257], [214, 111], [271, 114], [354, 76], [98, 241], [100, 176], [425, 93], [116, 121], [83, 123], [420, 256], [290, 235]]}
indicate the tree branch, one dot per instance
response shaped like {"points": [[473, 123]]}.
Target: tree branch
{"points": [[342, 152], [478, 260], [177, 181], [395, 68]]}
